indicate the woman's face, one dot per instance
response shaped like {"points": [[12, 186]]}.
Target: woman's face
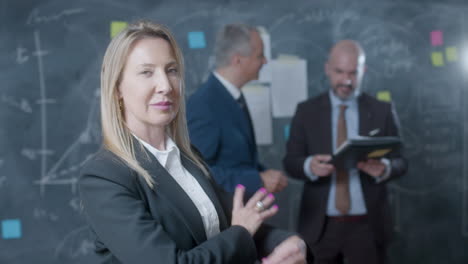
{"points": [[150, 86]]}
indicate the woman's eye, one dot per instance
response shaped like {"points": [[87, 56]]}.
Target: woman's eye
{"points": [[146, 73], [173, 70]]}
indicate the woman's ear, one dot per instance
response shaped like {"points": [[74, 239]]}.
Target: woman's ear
{"points": [[120, 101]]}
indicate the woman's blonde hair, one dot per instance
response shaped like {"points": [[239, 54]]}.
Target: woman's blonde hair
{"points": [[117, 138]]}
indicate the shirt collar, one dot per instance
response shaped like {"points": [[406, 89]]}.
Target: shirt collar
{"points": [[162, 155], [231, 88]]}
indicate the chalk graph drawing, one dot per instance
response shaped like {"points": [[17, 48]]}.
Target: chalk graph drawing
{"points": [[64, 170], [56, 174], [61, 160]]}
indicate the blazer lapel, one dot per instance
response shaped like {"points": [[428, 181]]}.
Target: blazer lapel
{"points": [[231, 108], [365, 116], [171, 191], [325, 125], [207, 186]]}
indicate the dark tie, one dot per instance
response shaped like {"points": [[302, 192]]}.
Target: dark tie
{"points": [[342, 199], [245, 109]]}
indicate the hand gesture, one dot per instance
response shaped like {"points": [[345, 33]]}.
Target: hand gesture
{"points": [[290, 251], [255, 211]]}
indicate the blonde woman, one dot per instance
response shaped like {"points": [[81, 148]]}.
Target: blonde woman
{"points": [[146, 194]]}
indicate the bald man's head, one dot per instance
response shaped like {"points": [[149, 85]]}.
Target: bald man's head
{"points": [[345, 68]]}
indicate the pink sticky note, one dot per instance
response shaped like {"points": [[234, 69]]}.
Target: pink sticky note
{"points": [[437, 38]]}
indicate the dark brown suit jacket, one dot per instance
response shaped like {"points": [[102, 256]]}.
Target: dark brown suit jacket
{"points": [[311, 134], [132, 223]]}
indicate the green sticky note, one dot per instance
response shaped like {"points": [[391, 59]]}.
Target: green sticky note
{"points": [[116, 27], [384, 96], [437, 59], [451, 53]]}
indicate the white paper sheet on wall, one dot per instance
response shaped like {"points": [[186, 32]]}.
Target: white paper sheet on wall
{"points": [[265, 72], [288, 84], [258, 101]]}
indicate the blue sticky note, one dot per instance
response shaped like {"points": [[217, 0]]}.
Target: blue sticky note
{"points": [[196, 40], [286, 131], [11, 228]]}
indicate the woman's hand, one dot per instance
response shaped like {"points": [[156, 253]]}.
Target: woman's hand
{"points": [[290, 251], [255, 211]]}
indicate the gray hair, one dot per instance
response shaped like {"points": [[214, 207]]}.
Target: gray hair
{"points": [[232, 39]]}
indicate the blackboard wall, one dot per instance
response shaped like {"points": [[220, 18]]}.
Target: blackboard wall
{"points": [[50, 56]]}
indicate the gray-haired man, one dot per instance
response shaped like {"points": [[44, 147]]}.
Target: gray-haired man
{"points": [[218, 118]]}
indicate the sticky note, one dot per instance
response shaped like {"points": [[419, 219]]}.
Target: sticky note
{"points": [[286, 131], [196, 40], [437, 38], [437, 59], [378, 153], [116, 27], [11, 229], [384, 96], [451, 53]]}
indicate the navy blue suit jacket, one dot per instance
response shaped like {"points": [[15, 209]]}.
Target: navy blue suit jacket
{"points": [[221, 131]]}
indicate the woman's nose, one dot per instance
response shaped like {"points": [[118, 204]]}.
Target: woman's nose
{"points": [[163, 85]]}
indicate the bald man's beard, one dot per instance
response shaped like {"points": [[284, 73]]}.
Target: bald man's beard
{"points": [[352, 91]]}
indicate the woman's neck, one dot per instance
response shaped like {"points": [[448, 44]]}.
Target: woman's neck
{"points": [[155, 136]]}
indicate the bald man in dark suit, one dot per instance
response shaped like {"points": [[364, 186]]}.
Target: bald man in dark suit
{"points": [[344, 213]]}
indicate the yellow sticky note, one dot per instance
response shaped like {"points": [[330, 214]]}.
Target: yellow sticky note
{"points": [[451, 53], [116, 27], [437, 59], [384, 96]]}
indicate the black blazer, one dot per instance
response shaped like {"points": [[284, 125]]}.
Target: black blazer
{"points": [[311, 134], [133, 223]]}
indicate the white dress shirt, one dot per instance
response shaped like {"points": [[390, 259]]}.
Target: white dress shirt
{"points": [[231, 88], [170, 160]]}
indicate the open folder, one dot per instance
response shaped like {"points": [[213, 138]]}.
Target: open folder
{"points": [[358, 149]]}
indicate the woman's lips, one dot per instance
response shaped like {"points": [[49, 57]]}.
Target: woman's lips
{"points": [[162, 105]]}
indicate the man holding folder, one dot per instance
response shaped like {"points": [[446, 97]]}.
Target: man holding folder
{"points": [[344, 212]]}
